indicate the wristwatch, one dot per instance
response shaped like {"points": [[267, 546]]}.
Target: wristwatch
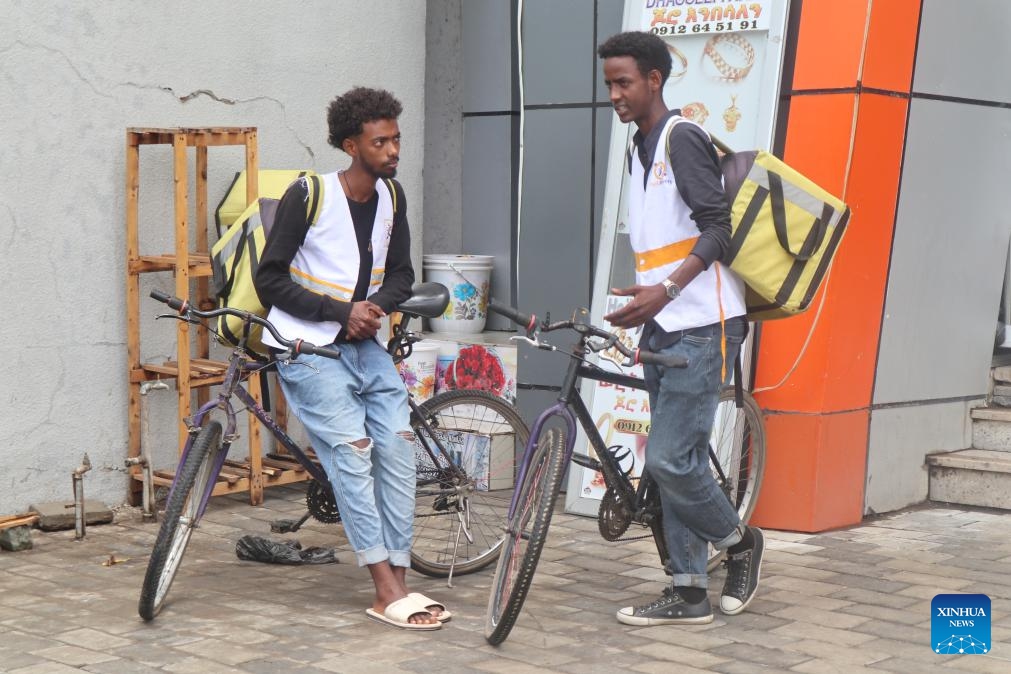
{"points": [[672, 289]]}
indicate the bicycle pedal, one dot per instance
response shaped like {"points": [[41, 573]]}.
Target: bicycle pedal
{"points": [[586, 462]]}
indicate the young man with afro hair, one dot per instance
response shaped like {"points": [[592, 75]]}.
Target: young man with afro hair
{"points": [[689, 305], [332, 283]]}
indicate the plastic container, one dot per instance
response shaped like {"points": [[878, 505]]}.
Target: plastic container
{"points": [[468, 278], [418, 371]]}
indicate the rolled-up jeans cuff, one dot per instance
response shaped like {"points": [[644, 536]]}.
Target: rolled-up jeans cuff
{"points": [[690, 580], [735, 537], [400, 558], [373, 555]]}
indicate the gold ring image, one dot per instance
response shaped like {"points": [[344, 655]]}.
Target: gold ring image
{"points": [[719, 47]]}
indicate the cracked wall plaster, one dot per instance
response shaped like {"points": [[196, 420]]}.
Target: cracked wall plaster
{"points": [[73, 77]]}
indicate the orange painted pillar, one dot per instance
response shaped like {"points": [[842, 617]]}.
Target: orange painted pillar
{"points": [[849, 101]]}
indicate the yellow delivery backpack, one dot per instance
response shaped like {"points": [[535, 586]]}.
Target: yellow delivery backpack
{"points": [[236, 257], [785, 230]]}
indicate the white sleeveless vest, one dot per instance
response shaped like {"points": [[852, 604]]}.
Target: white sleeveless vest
{"points": [[662, 235], [328, 261]]}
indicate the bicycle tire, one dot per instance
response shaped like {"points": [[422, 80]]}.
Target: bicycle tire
{"points": [[481, 499], [179, 519], [517, 562], [739, 442]]}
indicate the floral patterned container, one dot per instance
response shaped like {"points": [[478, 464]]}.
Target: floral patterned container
{"points": [[418, 371], [468, 278]]}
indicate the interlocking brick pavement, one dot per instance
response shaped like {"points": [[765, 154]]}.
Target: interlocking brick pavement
{"points": [[854, 600]]}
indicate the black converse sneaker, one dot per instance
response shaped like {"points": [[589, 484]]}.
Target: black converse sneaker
{"points": [[743, 570], [669, 609]]}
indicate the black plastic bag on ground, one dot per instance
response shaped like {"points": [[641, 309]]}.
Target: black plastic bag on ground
{"points": [[258, 549]]}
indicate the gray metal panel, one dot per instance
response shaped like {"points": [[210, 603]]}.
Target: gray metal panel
{"points": [[900, 438], [558, 49], [487, 197], [487, 55], [555, 237], [600, 158], [963, 49], [609, 16], [948, 255]]}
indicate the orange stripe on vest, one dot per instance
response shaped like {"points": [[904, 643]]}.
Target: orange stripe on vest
{"points": [[658, 257]]}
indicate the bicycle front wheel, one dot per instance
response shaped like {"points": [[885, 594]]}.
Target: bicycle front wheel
{"points": [[738, 440], [181, 517], [524, 539], [466, 448]]}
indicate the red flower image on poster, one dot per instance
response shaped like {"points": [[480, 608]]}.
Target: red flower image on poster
{"points": [[476, 368]]}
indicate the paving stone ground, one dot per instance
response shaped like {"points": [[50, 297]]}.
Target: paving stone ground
{"points": [[852, 600]]}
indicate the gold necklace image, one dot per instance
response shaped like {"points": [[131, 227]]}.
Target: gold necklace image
{"points": [[731, 115]]}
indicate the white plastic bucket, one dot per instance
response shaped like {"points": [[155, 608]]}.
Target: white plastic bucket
{"points": [[467, 277], [418, 371]]}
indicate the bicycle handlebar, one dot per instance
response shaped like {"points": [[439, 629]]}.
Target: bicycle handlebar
{"points": [[529, 323], [297, 346]]}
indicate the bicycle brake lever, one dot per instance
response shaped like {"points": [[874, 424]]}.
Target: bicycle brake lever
{"points": [[536, 343], [186, 319], [288, 358], [523, 338]]}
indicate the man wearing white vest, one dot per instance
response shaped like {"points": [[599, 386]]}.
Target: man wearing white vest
{"points": [[692, 306], [332, 283]]}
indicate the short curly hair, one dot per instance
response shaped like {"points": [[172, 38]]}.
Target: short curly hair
{"points": [[648, 50], [346, 113]]}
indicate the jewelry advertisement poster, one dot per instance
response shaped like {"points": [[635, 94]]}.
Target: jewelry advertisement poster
{"points": [[723, 55], [621, 413]]}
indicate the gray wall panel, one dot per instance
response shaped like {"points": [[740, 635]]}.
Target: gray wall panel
{"points": [[963, 49], [487, 55], [554, 250], [487, 162], [558, 51], [609, 15], [602, 132], [948, 256], [900, 438]]}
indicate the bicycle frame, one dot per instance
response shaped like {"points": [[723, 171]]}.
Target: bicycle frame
{"points": [[231, 386], [571, 409]]}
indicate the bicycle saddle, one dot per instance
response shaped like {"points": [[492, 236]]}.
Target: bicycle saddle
{"points": [[427, 300]]}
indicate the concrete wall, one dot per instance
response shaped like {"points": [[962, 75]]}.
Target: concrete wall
{"points": [[73, 77], [444, 88]]}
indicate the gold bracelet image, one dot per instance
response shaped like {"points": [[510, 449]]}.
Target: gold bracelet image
{"points": [[676, 53], [717, 49]]}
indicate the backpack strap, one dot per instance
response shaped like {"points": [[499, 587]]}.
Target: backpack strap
{"points": [[314, 199], [393, 194]]}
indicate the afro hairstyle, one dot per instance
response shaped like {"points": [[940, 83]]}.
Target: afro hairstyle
{"points": [[346, 113], [648, 50]]}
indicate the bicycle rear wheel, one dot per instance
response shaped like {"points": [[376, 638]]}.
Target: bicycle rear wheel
{"points": [[181, 517], [524, 539], [462, 500], [738, 440]]}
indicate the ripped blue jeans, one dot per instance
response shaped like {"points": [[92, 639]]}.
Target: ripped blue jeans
{"points": [[360, 397]]}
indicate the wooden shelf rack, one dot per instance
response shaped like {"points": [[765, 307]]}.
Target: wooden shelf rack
{"points": [[192, 370]]}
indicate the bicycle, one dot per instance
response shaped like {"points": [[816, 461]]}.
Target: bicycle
{"points": [[461, 516], [736, 453]]}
